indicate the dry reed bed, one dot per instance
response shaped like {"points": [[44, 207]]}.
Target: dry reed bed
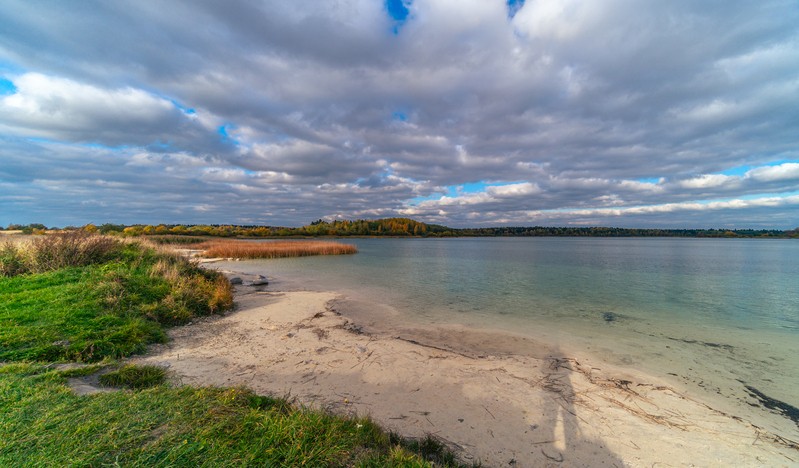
{"points": [[276, 249]]}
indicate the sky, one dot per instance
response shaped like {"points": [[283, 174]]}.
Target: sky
{"points": [[628, 113]]}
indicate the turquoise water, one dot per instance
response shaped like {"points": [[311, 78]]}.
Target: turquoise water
{"points": [[748, 284], [709, 314]]}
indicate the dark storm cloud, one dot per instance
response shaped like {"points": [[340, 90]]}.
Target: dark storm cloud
{"points": [[616, 112]]}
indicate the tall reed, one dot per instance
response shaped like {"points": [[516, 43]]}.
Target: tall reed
{"points": [[276, 249]]}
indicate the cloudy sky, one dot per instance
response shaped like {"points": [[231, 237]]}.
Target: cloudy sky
{"points": [[633, 113]]}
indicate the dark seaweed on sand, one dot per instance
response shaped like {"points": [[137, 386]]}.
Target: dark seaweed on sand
{"points": [[789, 411]]}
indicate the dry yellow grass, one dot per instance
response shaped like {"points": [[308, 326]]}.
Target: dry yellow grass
{"points": [[276, 249]]}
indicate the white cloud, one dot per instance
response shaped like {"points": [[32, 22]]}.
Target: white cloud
{"points": [[63, 109], [637, 186], [785, 171], [735, 204], [513, 190], [599, 216], [558, 19], [707, 181], [51, 106]]}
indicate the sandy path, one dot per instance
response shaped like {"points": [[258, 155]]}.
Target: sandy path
{"points": [[541, 408]]}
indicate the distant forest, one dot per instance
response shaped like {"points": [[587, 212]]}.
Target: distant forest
{"points": [[400, 227]]}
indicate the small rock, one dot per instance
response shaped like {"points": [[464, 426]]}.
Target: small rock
{"points": [[236, 280], [609, 317], [260, 280]]}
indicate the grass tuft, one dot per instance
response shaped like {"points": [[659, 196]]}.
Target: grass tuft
{"points": [[273, 249], [429, 448], [134, 377]]}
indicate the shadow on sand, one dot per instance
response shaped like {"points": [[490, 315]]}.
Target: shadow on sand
{"points": [[559, 438]]}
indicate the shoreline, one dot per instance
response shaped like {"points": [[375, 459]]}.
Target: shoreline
{"points": [[543, 406]]}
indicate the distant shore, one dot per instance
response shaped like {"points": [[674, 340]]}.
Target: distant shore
{"points": [[406, 227], [542, 406]]}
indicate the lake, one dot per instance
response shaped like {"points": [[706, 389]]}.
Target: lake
{"points": [[712, 316]]}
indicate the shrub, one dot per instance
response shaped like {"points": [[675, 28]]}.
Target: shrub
{"points": [[75, 248], [12, 262], [193, 290]]}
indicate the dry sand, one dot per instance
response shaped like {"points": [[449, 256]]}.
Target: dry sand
{"points": [[540, 407]]}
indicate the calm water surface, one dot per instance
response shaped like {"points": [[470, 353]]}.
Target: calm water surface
{"points": [[746, 284], [715, 314]]}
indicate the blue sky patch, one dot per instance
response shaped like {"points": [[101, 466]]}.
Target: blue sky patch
{"points": [[7, 87], [10, 68], [453, 191], [416, 200], [186, 110], [399, 116], [649, 180], [736, 171], [225, 136], [514, 6], [477, 187], [473, 187], [398, 11]]}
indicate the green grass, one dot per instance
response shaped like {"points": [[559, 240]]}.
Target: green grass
{"points": [[62, 316], [134, 377], [44, 423], [89, 304], [176, 240], [106, 310]]}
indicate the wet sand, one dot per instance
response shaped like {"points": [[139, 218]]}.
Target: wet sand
{"points": [[493, 397]]}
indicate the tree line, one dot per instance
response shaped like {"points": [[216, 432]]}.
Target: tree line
{"points": [[398, 227]]}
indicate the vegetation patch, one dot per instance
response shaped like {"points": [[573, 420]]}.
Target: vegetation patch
{"points": [[176, 239], [134, 377], [273, 249], [45, 424], [50, 253], [98, 298]]}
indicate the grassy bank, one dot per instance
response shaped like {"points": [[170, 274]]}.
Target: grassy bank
{"points": [[86, 298], [46, 424], [91, 299], [274, 249]]}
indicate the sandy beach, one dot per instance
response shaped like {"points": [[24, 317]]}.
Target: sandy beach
{"points": [[472, 389]]}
